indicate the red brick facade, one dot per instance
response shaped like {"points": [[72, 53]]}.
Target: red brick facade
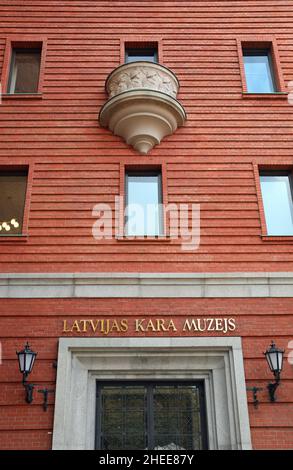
{"points": [[212, 160]]}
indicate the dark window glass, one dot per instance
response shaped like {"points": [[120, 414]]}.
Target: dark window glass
{"points": [[24, 71], [12, 200], [143, 204], [278, 205], [159, 416], [259, 71], [133, 54]]}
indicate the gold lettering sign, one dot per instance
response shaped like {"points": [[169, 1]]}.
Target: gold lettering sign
{"points": [[210, 324], [106, 326]]}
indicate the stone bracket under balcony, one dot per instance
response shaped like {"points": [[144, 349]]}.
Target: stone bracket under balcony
{"points": [[142, 107]]}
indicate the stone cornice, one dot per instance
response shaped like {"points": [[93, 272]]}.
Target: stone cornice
{"points": [[152, 285]]}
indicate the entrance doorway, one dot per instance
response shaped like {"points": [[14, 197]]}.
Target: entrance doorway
{"points": [[151, 415]]}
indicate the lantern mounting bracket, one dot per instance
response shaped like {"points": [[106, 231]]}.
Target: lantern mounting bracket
{"points": [[29, 390], [45, 392], [272, 387], [254, 390]]}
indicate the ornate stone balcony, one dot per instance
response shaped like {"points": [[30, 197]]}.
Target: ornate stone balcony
{"points": [[142, 106]]}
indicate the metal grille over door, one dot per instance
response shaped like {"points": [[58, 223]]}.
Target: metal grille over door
{"points": [[139, 416]]}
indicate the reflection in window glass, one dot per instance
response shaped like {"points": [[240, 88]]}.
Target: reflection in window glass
{"points": [[277, 200], [258, 72], [177, 423], [144, 416], [143, 205], [123, 417], [141, 53], [24, 71], [12, 200]]}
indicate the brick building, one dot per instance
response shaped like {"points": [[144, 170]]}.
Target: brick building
{"points": [[149, 331]]}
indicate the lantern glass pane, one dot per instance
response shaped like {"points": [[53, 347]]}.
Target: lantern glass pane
{"points": [[268, 357], [21, 362], [274, 361], [33, 361], [30, 358], [280, 360]]}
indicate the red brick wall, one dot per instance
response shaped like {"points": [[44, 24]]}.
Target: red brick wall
{"points": [[41, 320], [208, 161]]}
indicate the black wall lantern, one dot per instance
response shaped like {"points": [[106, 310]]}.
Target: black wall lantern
{"points": [[26, 360], [274, 357]]}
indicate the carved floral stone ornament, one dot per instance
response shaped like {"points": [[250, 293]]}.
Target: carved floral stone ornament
{"points": [[142, 106]]}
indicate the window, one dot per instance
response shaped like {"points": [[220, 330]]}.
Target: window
{"points": [[259, 72], [24, 70], [148, 53], [143, 204], [146, 415], [23, 67], [260, 67], [12, 200], [276, 191]]}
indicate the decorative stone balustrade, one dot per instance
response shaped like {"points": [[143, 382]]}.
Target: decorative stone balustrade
{"points": [[142, 106]]}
